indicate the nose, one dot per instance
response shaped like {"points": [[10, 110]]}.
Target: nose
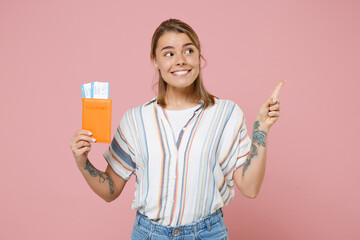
{"points": [[180, 60]]}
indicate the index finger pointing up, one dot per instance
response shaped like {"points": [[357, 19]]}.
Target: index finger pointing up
{"points": [[277, 89]]}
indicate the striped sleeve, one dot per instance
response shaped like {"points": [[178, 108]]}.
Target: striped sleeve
{"points": [[235, 142], [243, 146], [121, 155]]}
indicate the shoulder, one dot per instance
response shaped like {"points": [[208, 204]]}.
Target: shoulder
{"points": [[228, 106]]}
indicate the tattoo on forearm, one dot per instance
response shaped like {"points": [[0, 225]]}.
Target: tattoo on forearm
{"points": [[102, 176], [253, 152], [258, 137]]}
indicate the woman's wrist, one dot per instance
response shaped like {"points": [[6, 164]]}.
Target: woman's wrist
{"points": [[82, 163], [260, 126]]}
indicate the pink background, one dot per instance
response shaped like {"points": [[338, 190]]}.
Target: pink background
{"points": [[49, 48]]}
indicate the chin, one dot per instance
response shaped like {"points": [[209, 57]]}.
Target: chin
{"points": [[182, 85]]}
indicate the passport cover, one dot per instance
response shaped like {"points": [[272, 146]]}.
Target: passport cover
{"points": [[96, 118]]}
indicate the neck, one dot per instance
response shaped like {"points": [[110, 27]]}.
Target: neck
{"points": [[180, 98]]}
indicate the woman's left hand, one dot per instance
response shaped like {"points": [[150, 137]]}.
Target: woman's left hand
{"points": [[269, 112]]}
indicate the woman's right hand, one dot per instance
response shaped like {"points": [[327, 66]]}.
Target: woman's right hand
{"points": [[80, 145]]}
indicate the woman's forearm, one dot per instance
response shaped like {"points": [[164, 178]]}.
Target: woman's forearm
{"points": [[253, 170], [100, 182]]}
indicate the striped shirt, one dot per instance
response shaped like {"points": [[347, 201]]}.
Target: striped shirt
{"points": [[180, 181]]}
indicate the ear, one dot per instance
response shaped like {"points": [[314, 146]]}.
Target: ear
{"points": [[156, 65]]}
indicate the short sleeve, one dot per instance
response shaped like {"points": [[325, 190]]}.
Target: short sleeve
{"points": [[235, 142], [121, 154], [243, 146]]}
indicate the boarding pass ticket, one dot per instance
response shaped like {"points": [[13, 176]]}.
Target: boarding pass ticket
{"points": [[95, 90]]}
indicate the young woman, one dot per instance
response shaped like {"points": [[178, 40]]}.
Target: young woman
{"points": [[187, 148]]}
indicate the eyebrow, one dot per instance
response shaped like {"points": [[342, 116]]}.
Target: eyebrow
{"points": [[171, 47]]}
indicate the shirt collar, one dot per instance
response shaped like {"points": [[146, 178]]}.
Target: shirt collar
{"points": [[157, 105]]}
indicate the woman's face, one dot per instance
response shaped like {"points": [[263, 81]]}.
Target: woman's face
{"points": [[178, 60]]}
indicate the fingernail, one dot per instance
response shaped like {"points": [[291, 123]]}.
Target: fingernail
{"points": [[274, 100], [93, 139], [90, 133]]}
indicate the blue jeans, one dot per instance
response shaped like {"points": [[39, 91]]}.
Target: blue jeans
{"points": [[211, 227]]}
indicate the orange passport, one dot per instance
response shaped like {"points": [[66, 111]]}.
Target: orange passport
{"points": [[96, 117]]}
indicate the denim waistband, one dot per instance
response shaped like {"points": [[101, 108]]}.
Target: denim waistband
{"points": [[205, 223]]}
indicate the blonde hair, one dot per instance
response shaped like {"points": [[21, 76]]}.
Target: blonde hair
{"points": [[175, 25]]}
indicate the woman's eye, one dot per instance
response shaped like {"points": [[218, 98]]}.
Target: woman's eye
{"points": [[169, 54], [189, 51]]}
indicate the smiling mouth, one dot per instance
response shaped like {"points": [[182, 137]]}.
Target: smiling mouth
{"points": [[181, 73]]}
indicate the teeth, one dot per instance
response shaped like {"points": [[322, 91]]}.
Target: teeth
{"points": [[179, 73]]}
